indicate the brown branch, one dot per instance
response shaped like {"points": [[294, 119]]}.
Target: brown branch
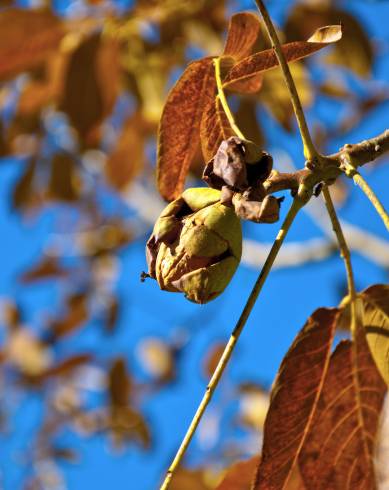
{"points": [[366, 151], [359, 154]]}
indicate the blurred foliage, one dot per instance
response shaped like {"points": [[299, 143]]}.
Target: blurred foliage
{"points": [[81, 96]]}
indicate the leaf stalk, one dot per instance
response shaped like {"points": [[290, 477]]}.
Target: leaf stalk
{"points": [[223, 100]]}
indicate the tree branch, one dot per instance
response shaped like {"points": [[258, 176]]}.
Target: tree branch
{"points": [[296, 206], [359, 154]]}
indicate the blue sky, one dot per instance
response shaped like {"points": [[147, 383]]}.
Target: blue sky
{"points": [[288, 297]]}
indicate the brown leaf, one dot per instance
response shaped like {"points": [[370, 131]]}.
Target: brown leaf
{"points": [[75, 317], [119, 384], [91, 85], [126, 424], [267, 59], [27, 38], [212, 358], [243, 31], [127, 158], [111, 315], [108, 72], [249, 85], [246, 119], [354, 51], [240, 475], [374, 303], [214, 129], [24, 195], [4, 146], [294, 399], [339, 449], [189, 480], [64, 182], [46, 268], [36, 94], [64, 368], [179, 136]]}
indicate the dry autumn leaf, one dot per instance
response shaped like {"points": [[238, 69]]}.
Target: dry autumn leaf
{"points": [[190, 480], [66, 367], [294, 399], [242, 33], [64, 181], [374, 303], [354, 51], [91, 85], [267, 59], [74, 318], [178, 134], [214, 128], [127, 158], [339, 449], [46, 268], [119, 383], [240, 476], [24, 195], [27, 39]]}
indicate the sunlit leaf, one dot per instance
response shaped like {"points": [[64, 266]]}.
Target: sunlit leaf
{"points": [[267, 59], [294, 399], [212, 357], [91, 85], [374, 303], [74, 318], [36, 94], [339, 449], [190, 480], [127, 158], [156, 357], [240, 476], [108, 73], [46, 268], [214, 128], [66, 367], [127, 424], [26, 352], [179, 133], [243, 31], [354, 51], [64, 182], [27, 38], [11, 314], [24, 195], [119, 383], [248, 85]]}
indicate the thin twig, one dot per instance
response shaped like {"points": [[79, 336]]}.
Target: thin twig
{"points": [[344, 250], [310, 151], [223, 100], [296, 206], [351, 172]]}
